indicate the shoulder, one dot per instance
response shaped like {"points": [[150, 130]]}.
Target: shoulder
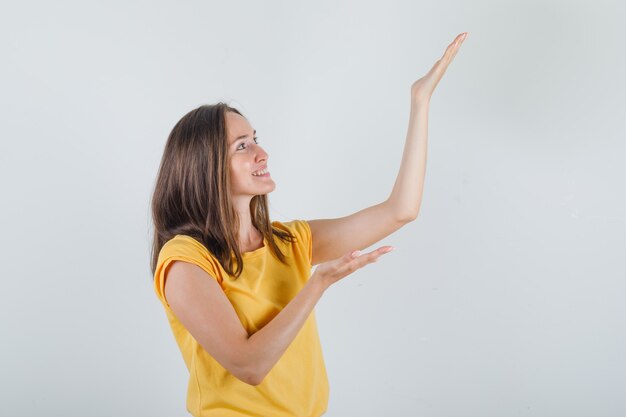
{"points": [[187, 249], [183, 244], [299, 228], [302, 247]]}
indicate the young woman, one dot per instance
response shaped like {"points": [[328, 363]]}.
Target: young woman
{"points": [[237, 288]]}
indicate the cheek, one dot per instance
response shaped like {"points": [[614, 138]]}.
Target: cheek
{"points": [[239, 170]]}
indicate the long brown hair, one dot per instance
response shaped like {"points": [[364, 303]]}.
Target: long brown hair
{"points": [[192, 191]]}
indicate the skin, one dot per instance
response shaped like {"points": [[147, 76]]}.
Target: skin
{"points": [[201, 305], [246, 157], [335, 241]]}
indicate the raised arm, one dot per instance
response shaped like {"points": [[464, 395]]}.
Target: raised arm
{"points": [[406, 196], [333, 237]]}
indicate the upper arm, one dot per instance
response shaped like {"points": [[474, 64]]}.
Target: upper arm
{"points": [[333, 238], [200, 304]]}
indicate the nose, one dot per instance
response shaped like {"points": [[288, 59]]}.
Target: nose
{"points": [[261, 155]]}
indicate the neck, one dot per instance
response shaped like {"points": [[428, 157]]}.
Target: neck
{"points": [[248, 234]]}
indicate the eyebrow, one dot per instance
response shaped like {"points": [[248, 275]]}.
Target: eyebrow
{"points": [[242, 137]]}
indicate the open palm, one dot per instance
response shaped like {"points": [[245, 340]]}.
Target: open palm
{"points": [[422, 89]]}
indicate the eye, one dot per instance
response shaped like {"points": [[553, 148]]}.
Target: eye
{"points": [[256, 140]]}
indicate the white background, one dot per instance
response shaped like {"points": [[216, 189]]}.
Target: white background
{"points": [[504, 298]]}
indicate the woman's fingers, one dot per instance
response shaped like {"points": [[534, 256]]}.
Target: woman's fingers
{"points": [[458, 44], [442, 64], [332, 271], [361, 260], [453, 48], [380, 252], [422, 89]]}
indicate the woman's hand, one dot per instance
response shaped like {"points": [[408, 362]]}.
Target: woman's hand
{"points": [[332, 271], [422, 89]]}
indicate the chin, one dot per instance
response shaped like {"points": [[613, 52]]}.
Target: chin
{"points": [[265, 192]]}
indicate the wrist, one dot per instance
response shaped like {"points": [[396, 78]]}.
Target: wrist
{"points": [[420, 103], [319, 282]]}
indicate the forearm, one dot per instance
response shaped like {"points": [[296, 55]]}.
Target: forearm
{"points": [[406, 196], [266, 346]]}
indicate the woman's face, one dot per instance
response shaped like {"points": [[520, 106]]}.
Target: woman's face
{"points": [[246, 157]]}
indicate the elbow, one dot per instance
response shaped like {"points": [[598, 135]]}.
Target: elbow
{"points": [[258, 373], [244, 367], [252, 376], [248, 377], [401, 213], [407, 217], [255, 378], [251, 369]]}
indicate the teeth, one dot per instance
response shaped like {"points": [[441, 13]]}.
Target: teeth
{"points": [[261, 172]]}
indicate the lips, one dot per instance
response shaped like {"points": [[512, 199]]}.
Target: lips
{"points": [[260, 169]]}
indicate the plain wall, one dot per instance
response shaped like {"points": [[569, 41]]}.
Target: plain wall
{"points": [[504, 298]]}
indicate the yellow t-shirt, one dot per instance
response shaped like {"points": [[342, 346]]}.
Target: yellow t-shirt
{"points": [[298, 384]]}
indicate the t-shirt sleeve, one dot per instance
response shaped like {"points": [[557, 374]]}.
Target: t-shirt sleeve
{"points": [[182, 249], [303, 234]]}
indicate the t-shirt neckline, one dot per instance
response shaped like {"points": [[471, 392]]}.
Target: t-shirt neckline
{"points": [[250, 254], [257, 251]]}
